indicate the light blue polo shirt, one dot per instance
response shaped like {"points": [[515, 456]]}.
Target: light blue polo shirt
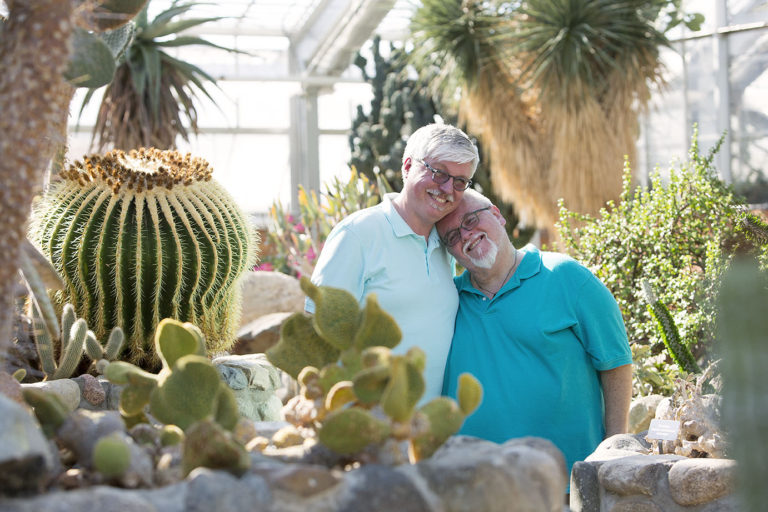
{"points": [[375, 251], [537, 348]]}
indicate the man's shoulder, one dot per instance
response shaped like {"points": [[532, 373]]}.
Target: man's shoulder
{"points": [[363, 220], [559, 263]]}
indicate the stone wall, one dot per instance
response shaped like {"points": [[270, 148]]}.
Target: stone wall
{"points": [[467, 474], [622, 475]]}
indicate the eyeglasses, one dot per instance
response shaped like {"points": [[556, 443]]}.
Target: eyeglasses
{"points": [[468, 221], [440, 177]]}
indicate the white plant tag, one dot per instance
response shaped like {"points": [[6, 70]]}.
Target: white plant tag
{"points": [[663, 429]]}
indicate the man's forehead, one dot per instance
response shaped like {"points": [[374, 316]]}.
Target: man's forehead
{"points": [[455, 218]]}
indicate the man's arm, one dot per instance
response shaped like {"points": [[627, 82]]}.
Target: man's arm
{"points": [[617, 393]]}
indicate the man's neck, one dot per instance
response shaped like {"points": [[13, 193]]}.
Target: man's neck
{"points": [[491, 280], [414, 222]]}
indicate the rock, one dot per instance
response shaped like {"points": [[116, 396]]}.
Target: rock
{"points": [[66, 389], [260, 334], [83, 428], [620, 445], [209, 490], [377, 488], [303, 480], [585, 488], [92, 499], [641, 411], [698, 481], [140, 472], [640, 474], [11, 388], [25, 454], [486, 476], [254, 381], [92, 393], [635, 504], [269, 292]]}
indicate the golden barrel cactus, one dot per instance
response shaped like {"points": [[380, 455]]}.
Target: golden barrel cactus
{"points": [[142, 236]]}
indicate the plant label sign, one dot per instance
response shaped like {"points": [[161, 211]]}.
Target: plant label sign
{"points": [[665, 430]]}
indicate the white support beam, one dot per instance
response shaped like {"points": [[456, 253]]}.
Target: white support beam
{"points": [[327, 43]]}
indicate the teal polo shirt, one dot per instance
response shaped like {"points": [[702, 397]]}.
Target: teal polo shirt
{"points": [[375, 251], [537, 348]]}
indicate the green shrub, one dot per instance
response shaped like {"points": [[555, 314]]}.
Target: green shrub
{"points": [[678, 234]]}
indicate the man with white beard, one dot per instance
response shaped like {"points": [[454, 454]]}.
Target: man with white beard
{"points": [[542, 334]]}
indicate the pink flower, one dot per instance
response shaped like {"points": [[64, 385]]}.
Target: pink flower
{"points": [[265, 266], [299, 227], [311, 254], [290, 218]]}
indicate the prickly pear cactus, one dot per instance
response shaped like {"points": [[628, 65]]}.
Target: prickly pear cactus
{"points": [[143, 236], [188, 388], [357, 398]]}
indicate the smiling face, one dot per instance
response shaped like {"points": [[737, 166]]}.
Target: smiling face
{"points": [[426, 201], [481, 229]]}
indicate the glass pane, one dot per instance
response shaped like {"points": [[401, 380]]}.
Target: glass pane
{"points": [[253, 168], [337, 109], [334, 159], [665, 129], [749, 113], [702, 95], [747, 11]]}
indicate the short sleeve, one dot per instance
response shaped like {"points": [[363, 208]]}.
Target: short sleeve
{"points": [[341, 264], [600, 325]]}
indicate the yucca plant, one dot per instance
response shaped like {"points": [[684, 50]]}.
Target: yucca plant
{"points": [[151, 99], [552, 87]]}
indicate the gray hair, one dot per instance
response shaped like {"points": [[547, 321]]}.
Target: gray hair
{"points": [[442, 142]]}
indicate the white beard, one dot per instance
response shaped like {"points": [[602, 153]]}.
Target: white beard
{"points": [[488, 259]]}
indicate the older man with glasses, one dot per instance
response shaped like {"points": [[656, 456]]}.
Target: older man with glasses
{"points": [[542, 334], [393, 250]]}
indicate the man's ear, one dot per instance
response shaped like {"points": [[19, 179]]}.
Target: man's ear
{"points": [[406, 167], [497, 213]]}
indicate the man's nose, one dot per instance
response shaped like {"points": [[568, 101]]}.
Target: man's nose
{"points": [[447, 187]]}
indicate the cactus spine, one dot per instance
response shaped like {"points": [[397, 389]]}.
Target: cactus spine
{"points": [[143, 236], [75, 339]]}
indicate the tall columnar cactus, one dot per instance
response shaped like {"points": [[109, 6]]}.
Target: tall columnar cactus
{"points": [[742, 331], [355, 393], [676, 347], [143, 236]]}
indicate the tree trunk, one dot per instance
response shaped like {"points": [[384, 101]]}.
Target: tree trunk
{"points": [[34, 102]]}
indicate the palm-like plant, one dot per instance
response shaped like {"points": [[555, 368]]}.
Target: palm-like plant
{"points": [[153, 93], [553, 87]]}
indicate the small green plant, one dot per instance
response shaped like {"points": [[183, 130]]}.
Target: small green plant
{"points": [[297, 242], [187, 393], [355, 394], [678, 235], [111, 456]]}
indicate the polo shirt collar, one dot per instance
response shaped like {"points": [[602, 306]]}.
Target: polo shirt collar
{"points": [[399, 227], [529, 266]]}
